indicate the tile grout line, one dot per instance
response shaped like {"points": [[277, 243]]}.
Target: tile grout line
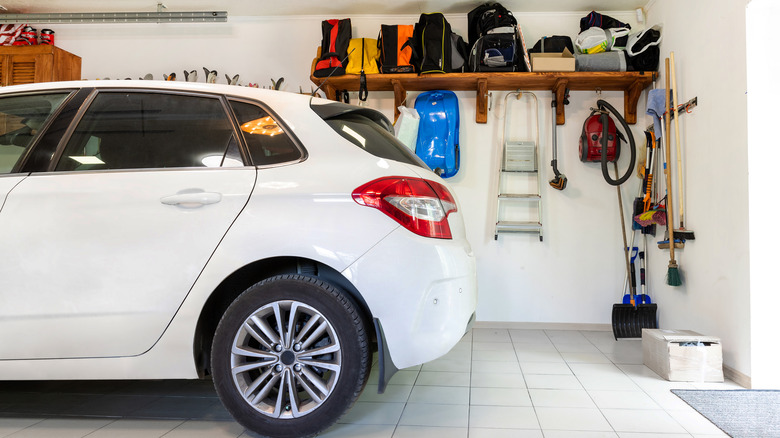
{"points": [[27, 427], [644, 391], [406, 402], [638, 386], [525, 382], [102, 427], [587, 391], [471, 373], [568, 365]]}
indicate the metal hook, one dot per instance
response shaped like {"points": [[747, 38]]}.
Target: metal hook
{"points": [[598, 92]]}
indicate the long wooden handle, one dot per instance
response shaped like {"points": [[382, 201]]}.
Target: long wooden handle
{"points": [[623, 226], [667, 171], [677, 142]]}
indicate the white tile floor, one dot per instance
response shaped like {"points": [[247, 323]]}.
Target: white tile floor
{"points": [[495, 383]]}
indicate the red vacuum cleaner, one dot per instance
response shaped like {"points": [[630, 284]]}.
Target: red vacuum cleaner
{"points": [[600, 140]]}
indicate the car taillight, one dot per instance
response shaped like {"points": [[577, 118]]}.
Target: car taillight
{"points": [[419, 205]]}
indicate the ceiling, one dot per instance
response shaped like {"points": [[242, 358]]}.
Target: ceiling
{"points": [[312, 7]]}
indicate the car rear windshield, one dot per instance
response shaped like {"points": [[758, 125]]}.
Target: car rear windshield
{"points": [[367, 129]]}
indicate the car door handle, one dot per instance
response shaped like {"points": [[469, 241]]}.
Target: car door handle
{"points": [[192, 200]]}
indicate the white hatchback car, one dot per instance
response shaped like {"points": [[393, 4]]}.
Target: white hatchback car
{"points": [[270, 241]]}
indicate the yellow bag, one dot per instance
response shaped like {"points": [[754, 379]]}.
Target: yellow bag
{"points": [[363, 55]]}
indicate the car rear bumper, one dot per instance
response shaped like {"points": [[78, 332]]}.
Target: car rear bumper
{"points": [[422, 290]]}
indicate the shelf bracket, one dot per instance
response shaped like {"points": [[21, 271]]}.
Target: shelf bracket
{"points": [[482, 100], [630, 100], [330, 91], [559, 92], [399, 96]]}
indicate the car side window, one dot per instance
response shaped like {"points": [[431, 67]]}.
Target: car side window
{"points": [[21, 117], [265, 138], [142, 130]]}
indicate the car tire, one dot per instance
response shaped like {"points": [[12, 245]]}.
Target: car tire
{"points": [[298, 380]]}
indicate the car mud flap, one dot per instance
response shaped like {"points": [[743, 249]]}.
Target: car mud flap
{"points": [[387, 368], [470, 324]]}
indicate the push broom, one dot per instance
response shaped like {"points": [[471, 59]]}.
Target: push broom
{"points": [[673, 274], [682, 233]]}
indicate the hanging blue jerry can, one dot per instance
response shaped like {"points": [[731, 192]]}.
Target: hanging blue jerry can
{"points": [[438, 136]]}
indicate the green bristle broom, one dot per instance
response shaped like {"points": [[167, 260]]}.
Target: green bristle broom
{"points": [[673, 274]]}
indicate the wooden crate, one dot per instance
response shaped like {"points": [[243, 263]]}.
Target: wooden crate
{"points": [[683, 355]]}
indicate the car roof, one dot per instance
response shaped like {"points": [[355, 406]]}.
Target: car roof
{"points": [[267, 96], [293, 108]]}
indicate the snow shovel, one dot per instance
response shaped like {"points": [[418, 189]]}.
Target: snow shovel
{"points": [[629, 318], [629, 298]]}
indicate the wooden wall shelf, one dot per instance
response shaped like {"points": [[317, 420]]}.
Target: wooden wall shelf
{"points": [[631, 83]]}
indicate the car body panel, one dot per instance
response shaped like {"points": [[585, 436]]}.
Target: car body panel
{"points": [[98, 258], [422, 290], [425, 310], [8, 182]]}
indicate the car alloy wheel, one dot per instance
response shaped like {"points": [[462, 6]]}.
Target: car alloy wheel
{"points": [[290, 356], [286, 359]]}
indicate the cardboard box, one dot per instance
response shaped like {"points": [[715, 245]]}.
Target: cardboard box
{"points": [[563, 61], [683, 355]]}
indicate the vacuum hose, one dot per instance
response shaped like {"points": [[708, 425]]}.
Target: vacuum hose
{"points": [[602, 104]]}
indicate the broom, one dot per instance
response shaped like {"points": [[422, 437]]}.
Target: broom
{"points": [[673, 274], [682, 233]]}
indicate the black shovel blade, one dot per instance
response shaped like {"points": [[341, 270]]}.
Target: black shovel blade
{"points": [[628, 321], [623, 320], [648, 315]]}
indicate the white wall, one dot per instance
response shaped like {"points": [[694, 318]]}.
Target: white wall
{"points": [[708, 38], [577, 273], [762, 16]]}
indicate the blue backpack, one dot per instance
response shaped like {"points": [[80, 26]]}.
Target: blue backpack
{"points": [[439, 132]]}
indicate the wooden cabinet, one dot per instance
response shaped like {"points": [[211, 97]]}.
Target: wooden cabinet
{"points": [[42, 63]]}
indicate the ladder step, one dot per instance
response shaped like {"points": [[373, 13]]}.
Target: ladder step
{"points": [[519, 156], [517, 227], [520, 196], [519, 171]]}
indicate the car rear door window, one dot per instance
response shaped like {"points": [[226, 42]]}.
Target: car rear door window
{"points": [[368, 130], [21, 118], [266, 139], [141, 130]]}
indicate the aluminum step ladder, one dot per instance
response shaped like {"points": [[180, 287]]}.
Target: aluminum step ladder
{"points": [[519, 205]]}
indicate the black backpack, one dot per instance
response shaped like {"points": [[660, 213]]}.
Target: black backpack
{"points": [[335, 41], [553, 44], [495, 41], [487, 17], [495, 52], [436, 48], [594, 19]]}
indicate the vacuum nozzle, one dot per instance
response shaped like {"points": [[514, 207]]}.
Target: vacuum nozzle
{"points": [[559, 182]]}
